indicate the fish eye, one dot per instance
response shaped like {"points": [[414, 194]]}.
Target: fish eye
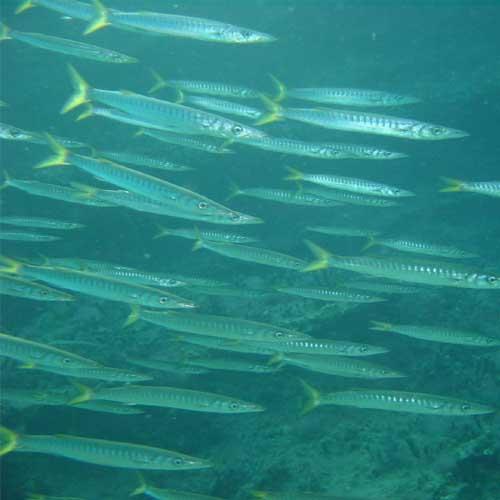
{"points": [[203, 205], [491, 280], [237, 129], [386, 154], [465, 407], [278, 334], [163, 300], [363, 348], [66, 361], [178, 461], [234, 406], [235, 217], [44, 292], [15, 133], [436, 130]]}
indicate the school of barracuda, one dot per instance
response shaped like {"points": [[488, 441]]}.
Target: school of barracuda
{"points": [[200, 117]]}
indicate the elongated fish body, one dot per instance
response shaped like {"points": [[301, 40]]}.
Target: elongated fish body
{"points": [[380, 287], [421, 247], [108, 453], [286, 196], [122, 117], [220, 326], [40, 222], [98, 286], [103, 373], [488, 188], [351, 198], [177, 117], [343, 231], [36, 353], [70, 47], [206, 234], [55, 192], [116, 271], [109, 407], [191, 142], [409, 402], [30, 290], [172, 397], [254, 254], [330, 295], [352, 184], [350, 96], [224, 107], [233, 344], [167, 366], [338, 365], [171, 195], [213, 89], [439, 334], [70, 8], [187, 27], [141, 160], [371, 123], [434, 273], [27, 237], [321, 347], [237, 365]]}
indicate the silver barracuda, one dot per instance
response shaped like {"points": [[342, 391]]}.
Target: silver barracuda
{"points": [[438, 334], [324, 150], [381, 287], [39, 222], [352, 184], [205, 234], [330, 295], [336, 365], [253, 254], [30, 290], [168, 194], [412, 271], [27, 237], [408, 402], [35, 353], [99, 451], [224, 107], [217, 326], [71, 8], [230, 364], [284, 196], [156, 23], [168, 397], [102, 373], [339, 230], [359, 121], [96, 285], [65, 46], [158, 113], [350, 198]]}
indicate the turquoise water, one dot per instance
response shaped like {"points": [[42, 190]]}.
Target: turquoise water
{"points": [[447, 56]]}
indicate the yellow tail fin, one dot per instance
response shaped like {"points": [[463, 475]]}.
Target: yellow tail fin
{"points": [[162, 232], [260, 494], [322, 257], [141, 489], [453, 185], [159, 82], [27, 4], [280, 87], [234, 191], [135, 315], [277, 359], [85, 394], [370, 243], [5, 183], [85, 191], [294, 175], [101, 19], [8, 440], [80, 93], [198, 244], [87, 113], [11, 266], [4, 32], [60, 156], [313, 397], [381, 326], [275, 113]]}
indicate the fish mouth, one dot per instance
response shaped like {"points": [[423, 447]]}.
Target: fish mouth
{"points": [[456, 134]]}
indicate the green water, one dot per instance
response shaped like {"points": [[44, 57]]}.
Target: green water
{"points": [[446, 54]]}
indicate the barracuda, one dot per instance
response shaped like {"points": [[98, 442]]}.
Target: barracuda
{"points": [[39, 222], [30, 290]]}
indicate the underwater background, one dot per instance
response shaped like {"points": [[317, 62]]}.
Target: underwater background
{"points": [[446, 54]]}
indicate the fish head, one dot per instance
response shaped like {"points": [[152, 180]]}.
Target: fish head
{"points": [[240, 132], [467, 408], [438, 132], [486, 281], [234, 34], [116, 57], [238, 406], [13, 133], [232, 217], [179, 461]]}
